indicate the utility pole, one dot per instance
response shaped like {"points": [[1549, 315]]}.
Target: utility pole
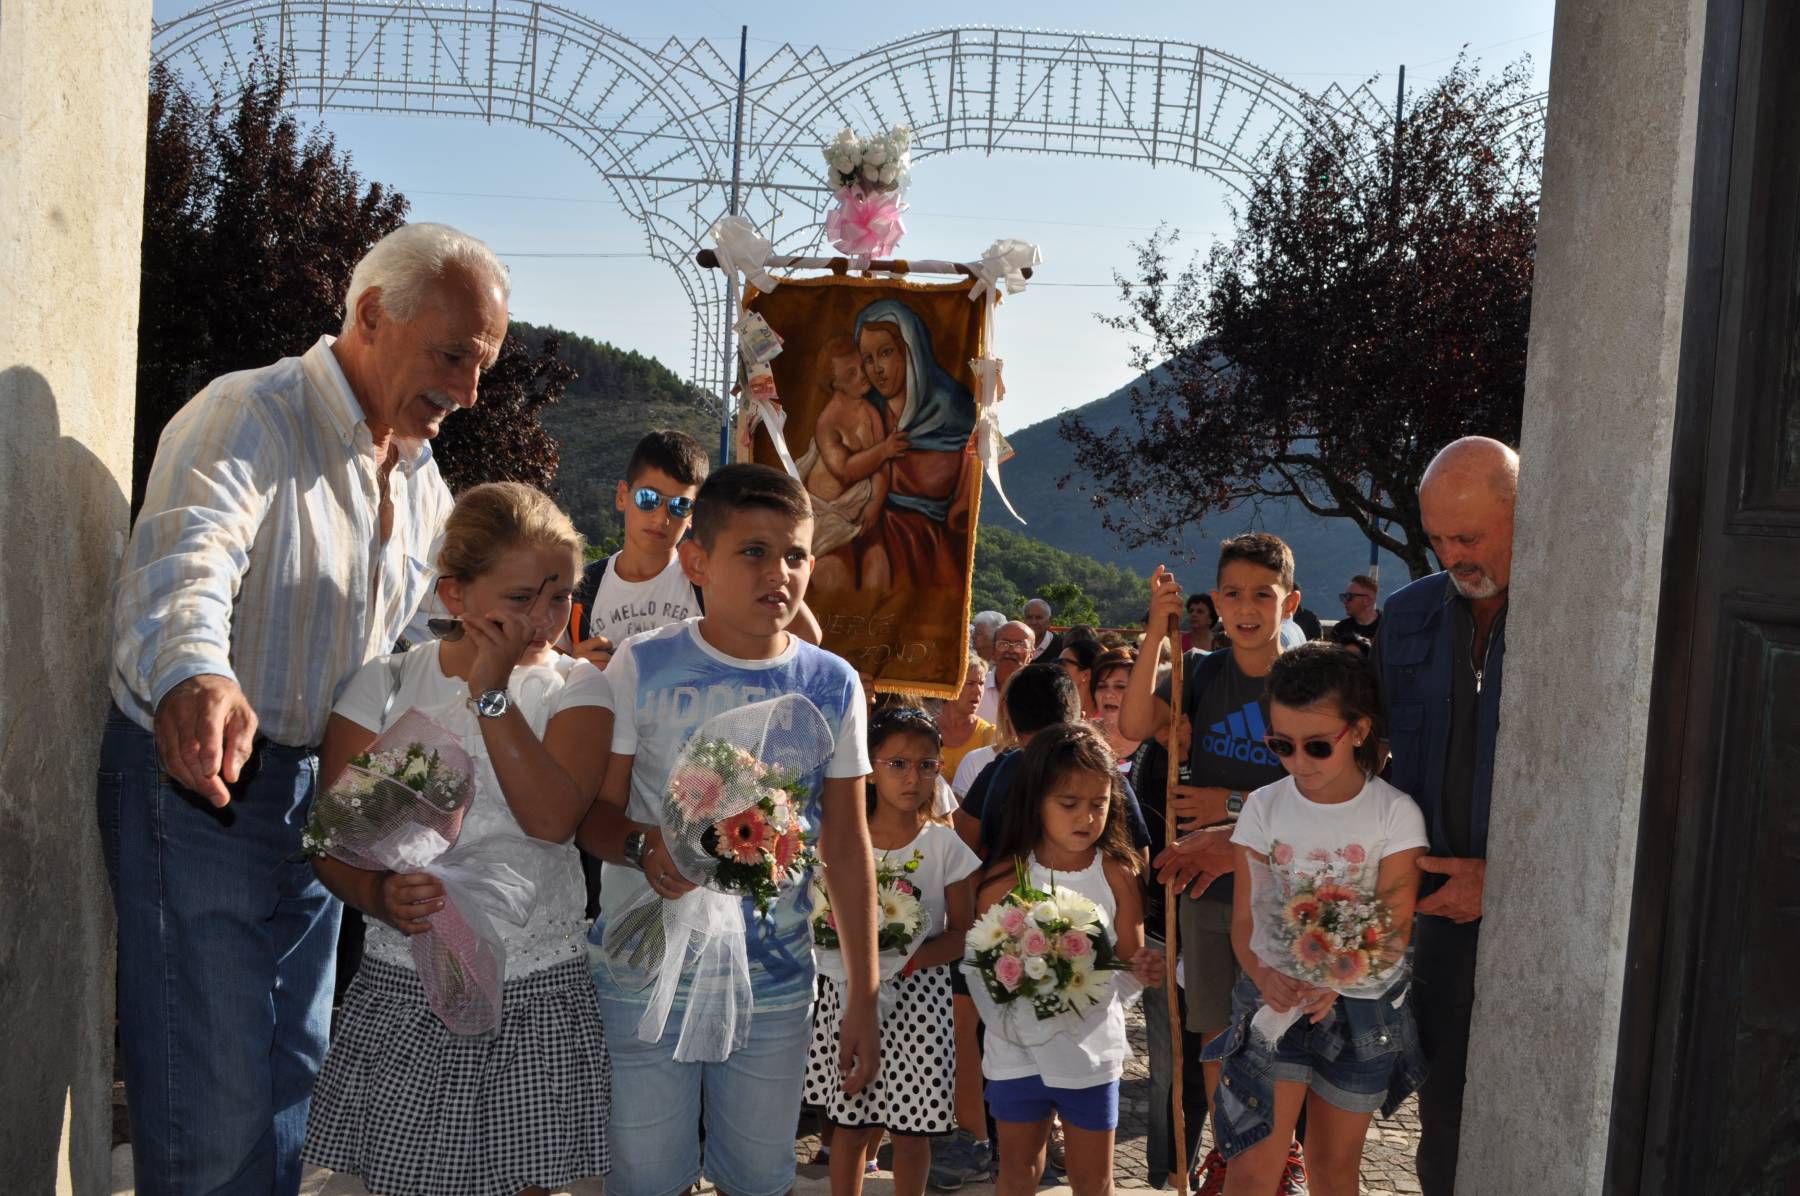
{"points": [[1394, 240], [728, 334]]}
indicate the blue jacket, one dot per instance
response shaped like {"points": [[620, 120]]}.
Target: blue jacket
{"points": [[1415, 653], [1364, 1032]]}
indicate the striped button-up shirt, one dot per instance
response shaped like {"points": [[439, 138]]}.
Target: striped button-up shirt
{"points": [[257, 554]]}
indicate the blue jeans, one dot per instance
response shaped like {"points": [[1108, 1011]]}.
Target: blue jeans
{"points": [[752, 1106], [226, 957]]}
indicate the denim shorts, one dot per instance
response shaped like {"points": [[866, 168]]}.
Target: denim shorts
{"points": [[752, 1104], [1028, 1099], [1351, 1075]]}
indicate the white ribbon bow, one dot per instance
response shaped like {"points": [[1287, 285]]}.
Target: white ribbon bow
{"points": [[743, 251], [1003, 264]]}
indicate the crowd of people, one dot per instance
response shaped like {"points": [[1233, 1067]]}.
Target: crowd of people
{"points": [[295, 529]]}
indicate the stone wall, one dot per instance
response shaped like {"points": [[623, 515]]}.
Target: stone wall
{"points": [[72, 112], [1599, 412]]}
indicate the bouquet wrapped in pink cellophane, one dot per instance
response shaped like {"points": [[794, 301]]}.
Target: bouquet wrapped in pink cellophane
{"points": [[399, 806]]}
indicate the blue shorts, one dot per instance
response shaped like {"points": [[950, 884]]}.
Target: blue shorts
{"points": [[1028, 1099], [1348, 1059]]}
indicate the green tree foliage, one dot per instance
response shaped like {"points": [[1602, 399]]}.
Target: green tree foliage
{"points": [[1069, 603], [1371, 307], [1011, 569], [617, 396]]}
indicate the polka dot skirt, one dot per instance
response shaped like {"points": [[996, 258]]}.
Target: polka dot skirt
{"points": [[415, 1110], [914, 1094]]}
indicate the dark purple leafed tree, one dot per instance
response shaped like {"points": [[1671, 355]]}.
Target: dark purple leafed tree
{"points": [[251, 229], [1371, 307]]}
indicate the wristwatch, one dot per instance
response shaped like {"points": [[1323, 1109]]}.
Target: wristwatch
{"points": [[634, 849], [492, 703], [1234, 803]]}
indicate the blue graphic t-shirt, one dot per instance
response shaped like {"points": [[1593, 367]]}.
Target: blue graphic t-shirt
{"points": [[665, 683], [1230, 718]]}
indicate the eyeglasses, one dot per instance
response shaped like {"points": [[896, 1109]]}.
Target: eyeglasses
{"points": [[1021, 645], [648, 498], [1068, 662], [1347, 595], [898, 764], [1318, 749]]}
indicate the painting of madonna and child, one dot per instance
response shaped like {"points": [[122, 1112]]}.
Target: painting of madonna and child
{"points": [[875, 381]]}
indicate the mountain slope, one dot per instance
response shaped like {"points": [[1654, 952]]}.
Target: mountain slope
{"points": [[619, 395], [1327, 552]]}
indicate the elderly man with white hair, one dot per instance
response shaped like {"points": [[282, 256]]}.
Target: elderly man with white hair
{"points": [[289, 533]]}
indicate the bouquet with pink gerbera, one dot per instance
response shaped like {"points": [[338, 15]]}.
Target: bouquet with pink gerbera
{"points": [[734, 823], [1322, 927]]}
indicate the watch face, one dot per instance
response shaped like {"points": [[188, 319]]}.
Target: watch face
{"points": [[491, 704]]}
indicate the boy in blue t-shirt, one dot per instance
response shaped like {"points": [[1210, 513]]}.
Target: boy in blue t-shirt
{"points": [[751, 556]]}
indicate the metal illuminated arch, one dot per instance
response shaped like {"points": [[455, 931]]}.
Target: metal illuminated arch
{"points": [[660, 125]]}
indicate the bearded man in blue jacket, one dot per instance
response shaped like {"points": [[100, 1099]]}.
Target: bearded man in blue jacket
{"points": [[1439, 654]]}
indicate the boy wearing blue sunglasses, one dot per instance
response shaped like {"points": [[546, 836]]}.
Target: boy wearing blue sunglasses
{"points": [[642, 587]]}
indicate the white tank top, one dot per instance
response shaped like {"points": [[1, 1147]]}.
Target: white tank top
{"points": [[1059, 1062]]}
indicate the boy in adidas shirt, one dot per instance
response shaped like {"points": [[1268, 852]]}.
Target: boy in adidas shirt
{"points": [[1223, 697], [642, 586]]}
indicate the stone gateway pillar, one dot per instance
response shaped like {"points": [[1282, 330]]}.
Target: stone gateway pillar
{"points": [[1636, 1025], [73, 85]]}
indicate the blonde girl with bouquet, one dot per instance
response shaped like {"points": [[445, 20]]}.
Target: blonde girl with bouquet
{"points": [[1332, 842], [913, 1097], [402, 1102], [1066, 823]]}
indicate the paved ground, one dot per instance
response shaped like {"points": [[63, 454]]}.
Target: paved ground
{"points": [[1387, 1168]]}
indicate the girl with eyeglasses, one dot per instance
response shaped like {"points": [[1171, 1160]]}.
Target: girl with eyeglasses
{"points": [[913, 1097], [1330, 821]]}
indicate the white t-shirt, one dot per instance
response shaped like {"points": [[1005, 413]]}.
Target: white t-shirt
{"points": [[555, 928], [663, 685], [1062, 1062], [970, 768], [1344, 842], [944, 860], [624, 608], [989, 706]]}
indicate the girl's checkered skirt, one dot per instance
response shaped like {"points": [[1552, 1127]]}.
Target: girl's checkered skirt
{"points": [[415, 1110]]}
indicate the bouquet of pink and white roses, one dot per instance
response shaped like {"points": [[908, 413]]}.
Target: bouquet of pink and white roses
{"points": [[1049, 949]]}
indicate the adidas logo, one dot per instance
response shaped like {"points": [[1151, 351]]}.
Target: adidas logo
{"points": [[1240, 737]]}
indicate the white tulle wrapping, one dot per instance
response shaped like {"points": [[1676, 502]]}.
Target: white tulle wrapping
{"points": [[700, 937], [1096, 1033]]}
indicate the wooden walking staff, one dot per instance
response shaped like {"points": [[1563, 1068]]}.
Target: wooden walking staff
{"points": [[1171, 990]]}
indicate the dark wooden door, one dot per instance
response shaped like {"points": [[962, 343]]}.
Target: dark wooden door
{"points": [[1707, 1098]]}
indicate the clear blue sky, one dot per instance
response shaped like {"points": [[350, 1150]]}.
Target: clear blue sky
{"points": [[526, 193]]}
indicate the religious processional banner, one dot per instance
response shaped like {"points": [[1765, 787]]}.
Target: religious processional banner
{"points": [[874, 380]]}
